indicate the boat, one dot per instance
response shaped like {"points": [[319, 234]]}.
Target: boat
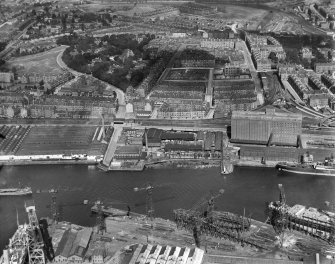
{"points": [[226, 168], [15, 191], [325, 168]]}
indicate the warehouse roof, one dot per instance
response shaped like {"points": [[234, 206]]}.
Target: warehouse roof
{"points": [[85, 235], [129, 149], [154, 133], [174, 135], [184, 147], [268, 114]]}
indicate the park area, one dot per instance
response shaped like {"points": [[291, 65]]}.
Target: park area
{"points": [[188, 74], [69, 140], [38, 64]]}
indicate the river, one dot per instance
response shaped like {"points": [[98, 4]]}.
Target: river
{"points": [[247, 188]]}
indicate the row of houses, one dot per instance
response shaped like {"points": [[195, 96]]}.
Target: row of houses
{"points": [[221, 43], [261, 47], [20, 105]]}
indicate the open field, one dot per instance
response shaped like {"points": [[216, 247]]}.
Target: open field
{"points": [[241, 12], [41, 63], [139, 9], [69, 140]]}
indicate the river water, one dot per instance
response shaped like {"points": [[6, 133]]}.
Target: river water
{"points": [[247, 188]]}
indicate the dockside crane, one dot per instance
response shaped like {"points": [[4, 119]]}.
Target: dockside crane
{"points": [[149, 188], [53, 207], [35, 241], [279, 218], [149, 206], [201, 219], [56, 209]]}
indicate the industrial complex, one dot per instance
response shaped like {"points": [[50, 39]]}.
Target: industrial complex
{"points": [[133, 85]]}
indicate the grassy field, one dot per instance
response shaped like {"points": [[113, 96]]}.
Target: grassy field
{"points": [[40, 63], [241, 13]]}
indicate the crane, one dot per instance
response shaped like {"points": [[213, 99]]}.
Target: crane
{"points": [[148, 188], [199, 219], [100, 219], [148, 198], [202, 219], [278, 218]]}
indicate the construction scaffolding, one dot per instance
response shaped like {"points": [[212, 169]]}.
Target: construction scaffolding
{"points": [[212, 223], [34, 239], [310, 221]]}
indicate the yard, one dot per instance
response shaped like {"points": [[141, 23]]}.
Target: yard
{"points": [[188, 74], [42, 140]]}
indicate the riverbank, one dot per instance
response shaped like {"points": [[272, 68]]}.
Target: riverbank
{"points": [[164, 164], [48, 162], [188, 164]]}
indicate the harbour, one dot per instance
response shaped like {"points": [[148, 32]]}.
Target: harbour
{"points": [[179, 186]]}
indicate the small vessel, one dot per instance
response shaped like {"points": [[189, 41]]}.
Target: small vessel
{"points": [[15, 191], [226, 167], [325, 168]]}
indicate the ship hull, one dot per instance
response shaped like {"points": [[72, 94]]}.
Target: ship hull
{"points": [[309, 170], [15, 194]]}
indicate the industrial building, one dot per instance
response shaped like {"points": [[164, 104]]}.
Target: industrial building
{"points": [[267, 128]]}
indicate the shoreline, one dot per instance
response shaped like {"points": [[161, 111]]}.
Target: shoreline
{"points": [[48, 162], [168, 164]]}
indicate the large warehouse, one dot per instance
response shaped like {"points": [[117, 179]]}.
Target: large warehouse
{"points": [[269, 127]]}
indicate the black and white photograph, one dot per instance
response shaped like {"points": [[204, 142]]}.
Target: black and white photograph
{"points": [[167, 131]]}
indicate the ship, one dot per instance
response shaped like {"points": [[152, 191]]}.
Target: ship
{"points": [[307, 166], [15, 191], [309, 220]]}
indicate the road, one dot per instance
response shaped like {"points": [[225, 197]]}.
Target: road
{"points": [[181, 128], [247, 57], [35, 56], [61, 64], [119, 93], [112, 145], [290, 89]]}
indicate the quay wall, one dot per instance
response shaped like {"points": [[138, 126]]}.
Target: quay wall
{"points": [[48, 159]]}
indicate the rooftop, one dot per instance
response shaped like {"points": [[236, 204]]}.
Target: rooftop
{"points": [[268, 114]]}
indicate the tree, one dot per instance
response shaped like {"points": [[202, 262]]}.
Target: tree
{"points": [[41, 83], [273, 57], [14, 70]]}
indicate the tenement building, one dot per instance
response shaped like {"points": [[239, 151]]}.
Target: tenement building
{"points": [[266, 128]]}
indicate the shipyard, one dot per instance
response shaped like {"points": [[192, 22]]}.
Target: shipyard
{"points": [[168, 132], [197, 235]]}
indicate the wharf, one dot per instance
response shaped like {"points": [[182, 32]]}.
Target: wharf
{"points": [[48, 162], [260, 241], [109, 211]]}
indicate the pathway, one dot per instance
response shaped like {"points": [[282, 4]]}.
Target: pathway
{"points": [[112, 145]]}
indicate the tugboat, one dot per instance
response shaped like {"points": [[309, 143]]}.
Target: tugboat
{"points": [[15, 191], [226, 167], [325, 168]]}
